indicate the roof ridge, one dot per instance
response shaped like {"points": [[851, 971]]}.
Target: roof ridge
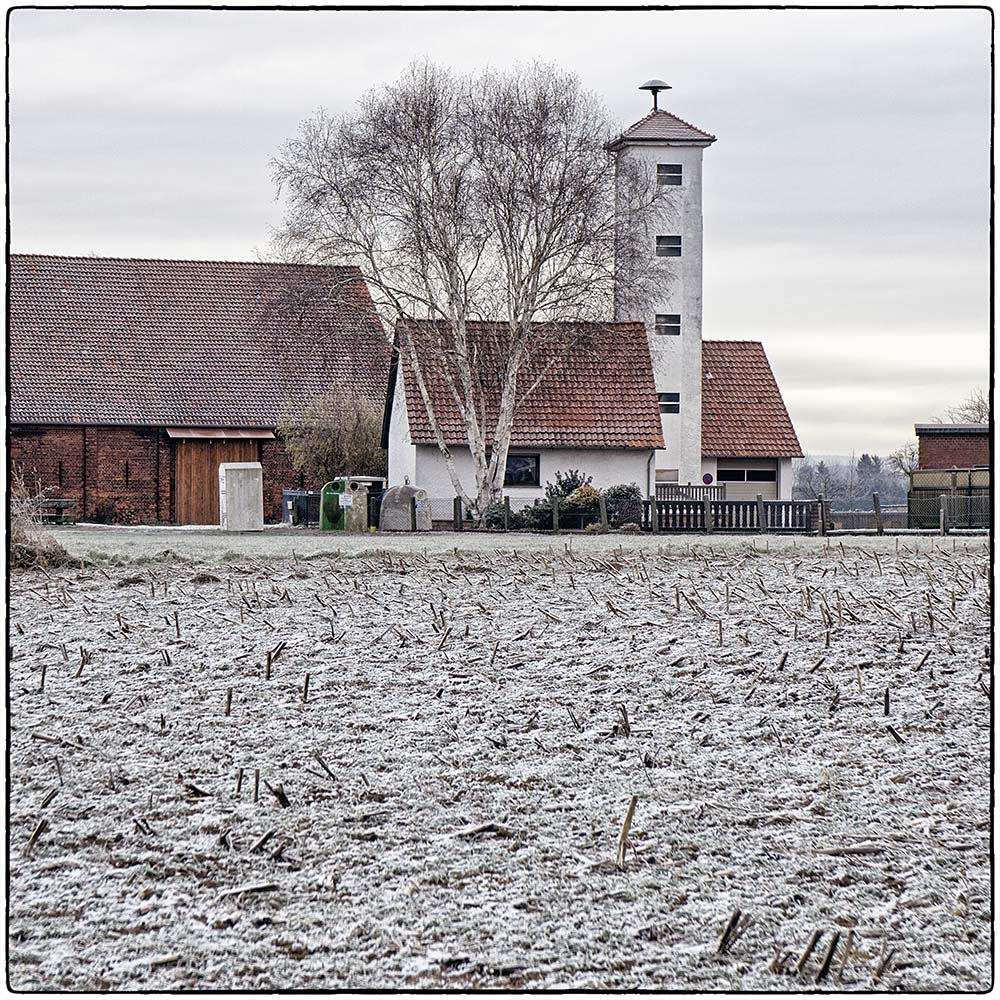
{"points": [[180, 260]]}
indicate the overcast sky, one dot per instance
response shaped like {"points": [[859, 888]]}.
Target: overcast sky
{"points": [[846, 199]]}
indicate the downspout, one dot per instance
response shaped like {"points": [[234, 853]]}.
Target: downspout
{"points": [[83, 435], [649, 487]]}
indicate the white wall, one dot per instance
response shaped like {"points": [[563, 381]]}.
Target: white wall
{"points": [[402, 451], [676, 360], [785, 479], [607, 466]]}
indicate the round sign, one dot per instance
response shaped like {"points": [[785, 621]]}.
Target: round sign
{"points": [[707, 479]]}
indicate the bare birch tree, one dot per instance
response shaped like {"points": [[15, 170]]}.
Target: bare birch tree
{"points": [[487, 198]]}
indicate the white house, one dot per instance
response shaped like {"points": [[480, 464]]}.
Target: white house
{"points": [[595, 411], [652, 403]]}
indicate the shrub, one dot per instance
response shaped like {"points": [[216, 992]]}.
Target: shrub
{"points": [[538, 517], [583, 500], [595, 528], [566, 484], [493, 518], [624, 504], [31, 545], [630, 529]]}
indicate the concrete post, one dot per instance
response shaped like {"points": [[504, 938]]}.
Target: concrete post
{"points": [[761, 513], [707, 507], [506, 513], [603, 507], [822, 514], [457, 513], [879, 527], [654, 516], [555, 515], [943, 516], [413, 513]]}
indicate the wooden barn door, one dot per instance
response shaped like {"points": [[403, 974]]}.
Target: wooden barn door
{"points": [[197, 476]]}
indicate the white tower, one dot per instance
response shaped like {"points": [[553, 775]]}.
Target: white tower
{"points": [[664, 147]]}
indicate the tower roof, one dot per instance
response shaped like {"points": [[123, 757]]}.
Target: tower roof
{"points": [[660, 127]]}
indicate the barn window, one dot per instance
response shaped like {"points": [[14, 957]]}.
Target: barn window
{"points": [[762, 476], [670, 402], [668, 324], [668, 246], [668, 173], [523, 470]]}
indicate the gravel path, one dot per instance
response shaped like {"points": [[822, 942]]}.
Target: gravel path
{"points": [[476, 725]]}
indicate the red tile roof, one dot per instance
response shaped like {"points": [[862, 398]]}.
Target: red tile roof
{"points": [[101, 340], [598, 393], [742, 412], [662, 126]]}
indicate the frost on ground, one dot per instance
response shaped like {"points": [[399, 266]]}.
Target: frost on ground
{"points": [[806, 732]]}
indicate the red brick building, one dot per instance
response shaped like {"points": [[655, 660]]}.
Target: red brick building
{"points": [[131, 380], [962, 446]]}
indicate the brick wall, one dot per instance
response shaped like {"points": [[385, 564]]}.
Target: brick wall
{"points": [[942, 451], [124, 475]]}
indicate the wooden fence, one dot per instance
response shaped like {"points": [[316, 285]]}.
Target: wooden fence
{"points": [[707, 515], [674, 491]]}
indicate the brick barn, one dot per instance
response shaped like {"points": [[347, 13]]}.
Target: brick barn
{"points": [[942, 446], [131, 380]]}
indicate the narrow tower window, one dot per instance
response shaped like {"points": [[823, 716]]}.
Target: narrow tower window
{"points": [[668, 246], [668, 324], [668, 173], [670, 402]]}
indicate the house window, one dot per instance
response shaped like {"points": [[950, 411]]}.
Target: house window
{"points": [[523, 470], [668, 324], [666, 475], [668, 246], [762, 476], [731, 475], [668, 173], [670, 402]]}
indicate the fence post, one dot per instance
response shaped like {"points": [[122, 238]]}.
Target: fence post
{"points": [[602, 504], [707, 504], [761, 513], [555, 515], [654, 516], [943, 516], [456, 513], [506, 513], [413, 513], [879, 527], [822, 514]]}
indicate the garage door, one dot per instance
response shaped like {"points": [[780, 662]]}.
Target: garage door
{"points": [[196, 476], [743, 483]]}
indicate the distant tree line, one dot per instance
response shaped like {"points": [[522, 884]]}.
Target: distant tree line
{"points": [[849, 485]]}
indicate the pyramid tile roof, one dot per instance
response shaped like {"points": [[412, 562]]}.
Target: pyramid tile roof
{"points": [[662, 126]]}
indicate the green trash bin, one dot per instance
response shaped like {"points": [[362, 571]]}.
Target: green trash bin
{"points": [[331, 514]]}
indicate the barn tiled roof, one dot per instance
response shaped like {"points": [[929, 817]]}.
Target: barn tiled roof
{"points": [[597, 392], [102, 340], [662, 126], [742, 412]]}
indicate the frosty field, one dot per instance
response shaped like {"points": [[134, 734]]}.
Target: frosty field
{"points": [[806, 731]]}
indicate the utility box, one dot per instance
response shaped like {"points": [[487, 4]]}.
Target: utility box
{"points": [[241, 496], [344, 503]]}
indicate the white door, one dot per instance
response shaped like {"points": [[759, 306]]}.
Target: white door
{"points": [[745, 478]]}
